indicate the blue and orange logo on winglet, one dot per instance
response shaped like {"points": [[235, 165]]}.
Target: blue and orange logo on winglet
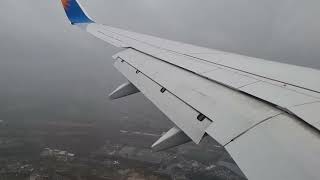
{"points": [[74, 12], [65, 4]]}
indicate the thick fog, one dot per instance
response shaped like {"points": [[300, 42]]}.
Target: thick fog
{"points": [[50, 70]]}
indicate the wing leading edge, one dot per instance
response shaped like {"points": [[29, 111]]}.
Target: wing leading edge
{"points": [[264, 113]]}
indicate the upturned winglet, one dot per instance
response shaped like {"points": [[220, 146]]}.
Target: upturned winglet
{"points": [[75, 13]]}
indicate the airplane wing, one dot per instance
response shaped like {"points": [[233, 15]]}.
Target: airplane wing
{"points": [[265, 114]]}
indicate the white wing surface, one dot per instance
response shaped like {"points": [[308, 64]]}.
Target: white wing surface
{"points": [[265, 114]]}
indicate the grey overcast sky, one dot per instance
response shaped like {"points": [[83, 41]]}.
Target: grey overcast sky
{"points": [[48, 66]]}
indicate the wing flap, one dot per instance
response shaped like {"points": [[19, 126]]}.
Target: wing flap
{"points": [[184, 116], [280, 148], [279, 94], [233, 112]]}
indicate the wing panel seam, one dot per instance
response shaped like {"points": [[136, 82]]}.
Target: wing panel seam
{"points": [[252, 127]]}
